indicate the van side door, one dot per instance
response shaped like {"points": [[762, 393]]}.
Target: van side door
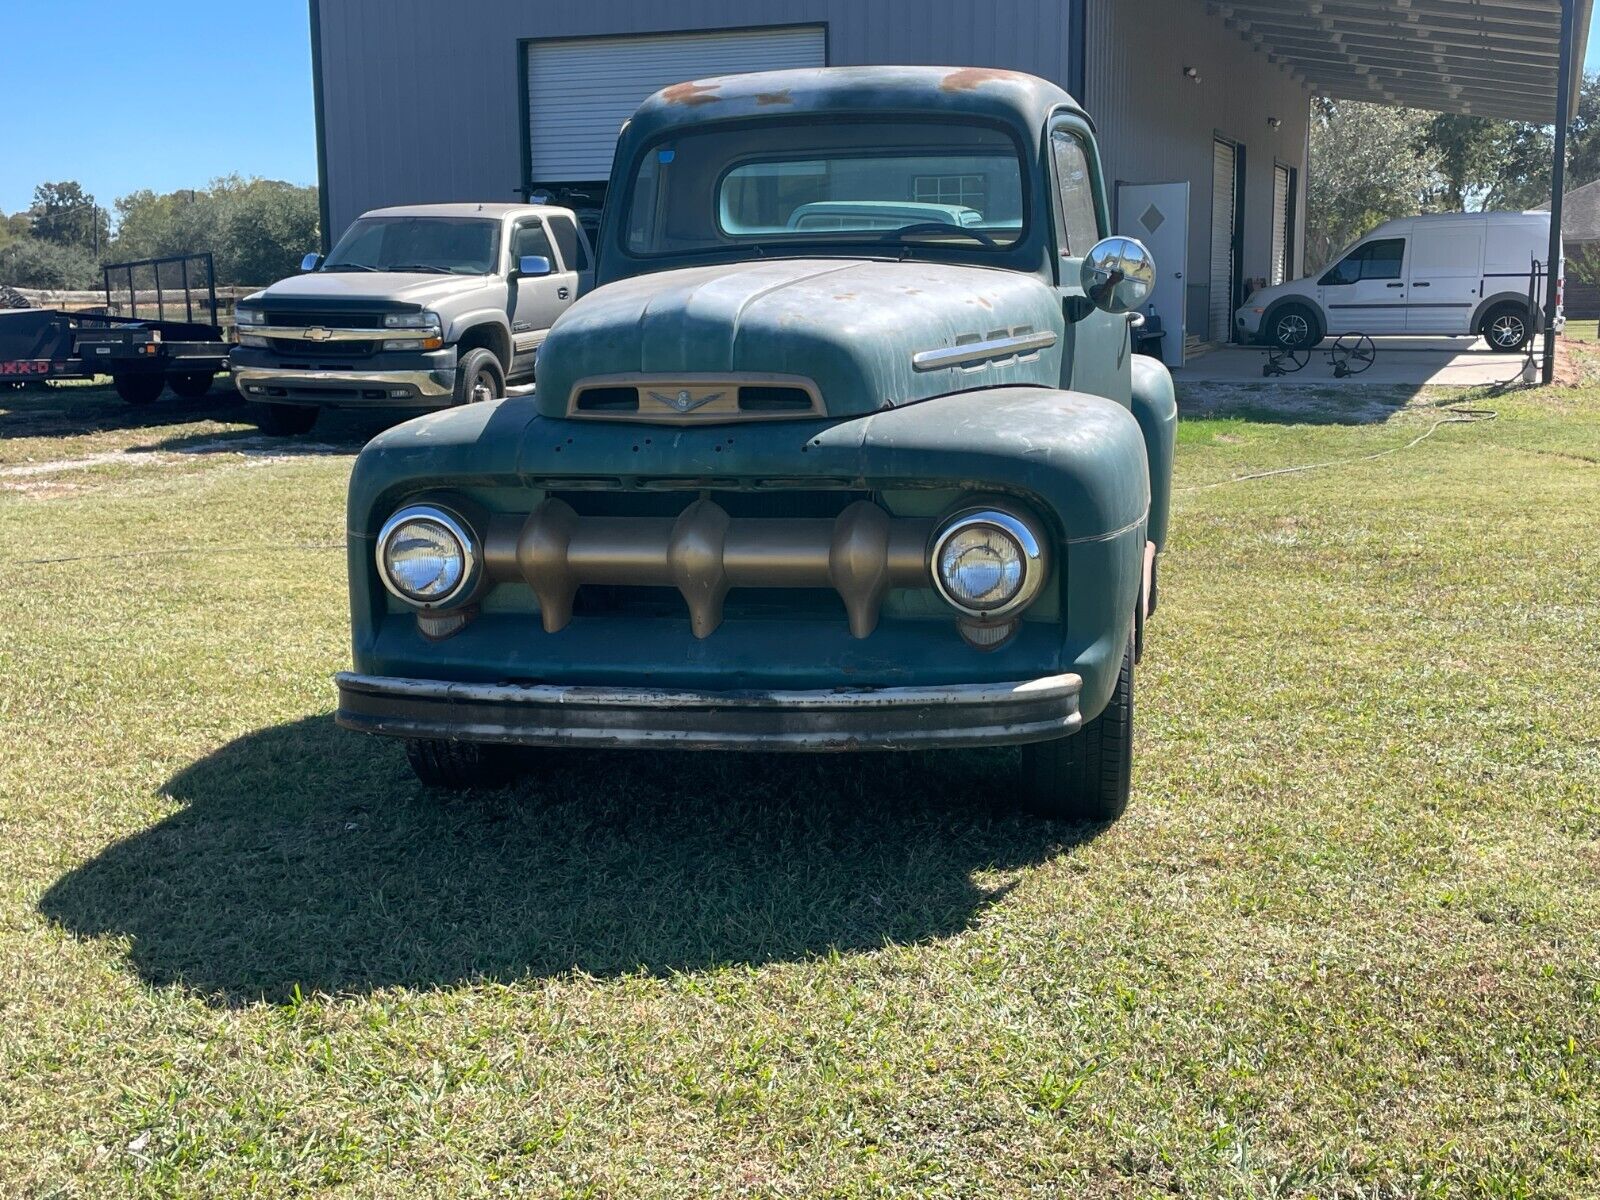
{"points": [[1446, 270], [1365, 291]]}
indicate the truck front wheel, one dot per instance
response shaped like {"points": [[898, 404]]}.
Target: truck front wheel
{"points": [[138, 389], [479, 377], [286, 420], [1086, 777], [457, 766]]}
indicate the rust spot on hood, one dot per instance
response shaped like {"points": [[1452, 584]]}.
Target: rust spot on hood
{"points": [[783, 97], [968, 78], [692, 93]]}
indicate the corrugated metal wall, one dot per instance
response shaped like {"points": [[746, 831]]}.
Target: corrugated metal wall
{"points": [[1156, 125], [421, 100]]}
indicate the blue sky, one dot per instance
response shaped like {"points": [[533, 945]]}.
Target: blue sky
{"points": [[168, 94]]}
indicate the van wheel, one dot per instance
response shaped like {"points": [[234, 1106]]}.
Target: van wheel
{"points": [[479, 377], [138, 389], [457, 766], [1294, 327], [286, 420], [1086, 777], [1506, 328]]}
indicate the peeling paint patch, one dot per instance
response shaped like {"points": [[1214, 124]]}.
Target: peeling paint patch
{"points": [[969, 78], [779, 97], [692, 93]]}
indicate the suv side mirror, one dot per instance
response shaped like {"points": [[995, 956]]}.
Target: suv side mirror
{"points": [[1118, 274], [533, 265], [311, 262]]}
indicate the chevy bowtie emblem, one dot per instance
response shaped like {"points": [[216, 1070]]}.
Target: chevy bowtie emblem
{"points": [[317, 334], [684, 402]]}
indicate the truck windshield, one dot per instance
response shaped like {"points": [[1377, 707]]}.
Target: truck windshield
{"points": [[443, 245], [793, 186]]}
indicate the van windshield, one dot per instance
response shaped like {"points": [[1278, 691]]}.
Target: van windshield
{"points": [[788, 185], [438, 245]]}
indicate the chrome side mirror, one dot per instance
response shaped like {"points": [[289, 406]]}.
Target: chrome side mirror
{"points": [[1118, 274], [533, 265], [311, 262]]}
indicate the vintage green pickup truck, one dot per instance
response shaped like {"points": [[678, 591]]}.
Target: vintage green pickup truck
{"points": [[847, 450]]}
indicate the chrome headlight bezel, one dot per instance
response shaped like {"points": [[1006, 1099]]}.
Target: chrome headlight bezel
{"points": [[457, 528], [1034, 555]]}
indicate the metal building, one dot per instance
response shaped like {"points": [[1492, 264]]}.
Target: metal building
{"points": [[1202, 107]]}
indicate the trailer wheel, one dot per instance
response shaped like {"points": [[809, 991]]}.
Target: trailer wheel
{"points": [[286, 420], [138, 389], [191, 385]]}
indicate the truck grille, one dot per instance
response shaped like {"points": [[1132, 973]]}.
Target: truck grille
{"points": [[329, 320], [296, 348]]}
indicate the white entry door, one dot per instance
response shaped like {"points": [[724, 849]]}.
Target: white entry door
{"points": [[1158, 215]]}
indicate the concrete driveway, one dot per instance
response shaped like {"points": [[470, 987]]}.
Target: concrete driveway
{"points": [[1407, 362]]}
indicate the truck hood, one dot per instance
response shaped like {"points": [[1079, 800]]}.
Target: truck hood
{"points": [[849, 326], [384, 290]]}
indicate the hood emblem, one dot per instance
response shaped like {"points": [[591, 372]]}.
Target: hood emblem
{"points": [[317, 334], [682, 401]]}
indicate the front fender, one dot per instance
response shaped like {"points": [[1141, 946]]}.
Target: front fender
{"points": [[1155, 405]]}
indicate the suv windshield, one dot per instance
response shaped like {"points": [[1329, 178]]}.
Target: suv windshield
{"points": [[447, 245], [792, 186]]}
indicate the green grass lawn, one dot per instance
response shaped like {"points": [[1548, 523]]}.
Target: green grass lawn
{"points": [[1345, 943]]}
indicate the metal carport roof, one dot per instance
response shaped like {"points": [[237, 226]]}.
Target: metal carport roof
{"points": [[1490, 58]]}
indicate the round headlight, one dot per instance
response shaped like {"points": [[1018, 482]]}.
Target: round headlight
{"points": [[987, 563], [425, 556]]}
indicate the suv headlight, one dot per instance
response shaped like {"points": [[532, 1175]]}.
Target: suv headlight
{"points": [[987, 563], [427, 556], [426, 329]]}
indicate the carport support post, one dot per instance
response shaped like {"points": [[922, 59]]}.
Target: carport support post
{"points": [[1558, 184]]}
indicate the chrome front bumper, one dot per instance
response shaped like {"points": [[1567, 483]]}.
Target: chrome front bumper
{"points": [[373, 389], [899, 718]]}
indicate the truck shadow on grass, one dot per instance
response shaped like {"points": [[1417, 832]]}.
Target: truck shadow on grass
{"points": [[305, 856]]}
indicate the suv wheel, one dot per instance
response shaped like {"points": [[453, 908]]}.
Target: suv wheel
{"points": [[1506, 328], [1294, 327], [286, 420], [479, 377], [457, 766], [1086, 777]]}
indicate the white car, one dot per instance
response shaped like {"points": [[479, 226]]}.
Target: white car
{"points": [[1456, 274]]}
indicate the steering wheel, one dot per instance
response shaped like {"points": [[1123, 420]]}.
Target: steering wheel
{"points": [[976, 235]]}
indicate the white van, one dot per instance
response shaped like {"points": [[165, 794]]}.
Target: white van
{"points": [[1459, 274]]}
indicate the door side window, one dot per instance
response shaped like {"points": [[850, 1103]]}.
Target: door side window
{"points": [[530, 239], [565, 232], [1375, 260], [1080, 221]]}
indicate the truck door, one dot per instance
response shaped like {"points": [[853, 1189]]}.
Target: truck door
{"points": [[1096, 350], [1365, 291], [574, 246], [1446, 269], [536, 301]]}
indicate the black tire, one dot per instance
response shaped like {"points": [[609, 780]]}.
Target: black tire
{"points": [[287, 420], [1507, 328], [1293, 327], [138, 389], [479, 376], [1086, 777], [191, 385], [458, 766]]}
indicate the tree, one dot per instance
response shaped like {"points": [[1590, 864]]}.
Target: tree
{"points": [[33, 262], [1367, 166], [64, 214], [257, 228]]}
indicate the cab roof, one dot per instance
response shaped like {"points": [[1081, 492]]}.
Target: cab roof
{"points": [[1013, 97], [466, 209]]}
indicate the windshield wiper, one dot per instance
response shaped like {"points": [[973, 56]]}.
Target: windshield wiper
{"points": [[347, 267], [428, 267], [977, 235]]}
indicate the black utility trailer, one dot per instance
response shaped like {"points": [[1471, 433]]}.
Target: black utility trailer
{"points": [[142, 354]]}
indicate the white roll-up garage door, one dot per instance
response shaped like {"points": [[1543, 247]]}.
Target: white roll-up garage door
{"points": [[1224, 208], [580, 91]]}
